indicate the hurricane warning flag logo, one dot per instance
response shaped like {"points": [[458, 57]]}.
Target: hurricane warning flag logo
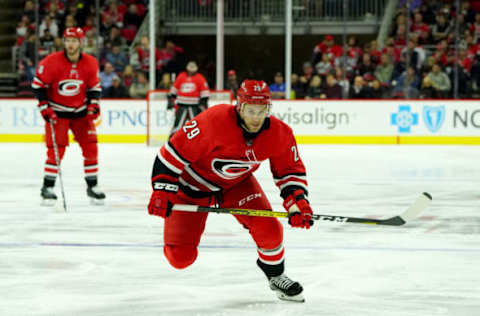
{"points": [[433, 117]]}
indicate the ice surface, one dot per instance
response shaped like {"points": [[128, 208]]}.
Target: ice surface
{"points": [[108, 260]]}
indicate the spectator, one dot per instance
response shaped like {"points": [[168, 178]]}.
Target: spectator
{"points": [[232, 82], [440, 81], [277, 88], [29, 10], [366, 66], [57, 44], [168, 56], [296, 90], [50, 24], [315, 90], [327, 46], [22, 28], [128, 76], [115, 38], [106, 76], [384, 70], [132, 19], [117, 58], [29, 55], [333, 89], [166, 82], [407, 84], [410, 52], [420, 28], [117, 90], [306, 75], [139, 87], [46, 42], [90, 46], [358, 90], [324, 66], [441, 29], [427, 91], [143, 53], [377, 91]]}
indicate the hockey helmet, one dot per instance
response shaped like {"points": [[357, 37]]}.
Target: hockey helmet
{"points": [[74, 32], [253, 92]]}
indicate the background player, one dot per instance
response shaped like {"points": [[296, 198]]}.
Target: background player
{"points": [[190, 95], [67, 87], [211, 160]]}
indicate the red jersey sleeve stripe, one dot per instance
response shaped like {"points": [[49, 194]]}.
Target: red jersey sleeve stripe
{"points": [[169, 147], [169, 162], [300, 183]]}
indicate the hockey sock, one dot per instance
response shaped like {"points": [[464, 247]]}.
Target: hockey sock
{"points": [[271, 270]]}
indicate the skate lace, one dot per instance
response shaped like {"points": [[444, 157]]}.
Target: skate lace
{"points": [[282, 281], [49, 190]]}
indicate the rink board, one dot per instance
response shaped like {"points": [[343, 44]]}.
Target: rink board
{"points": [[313, 121]]}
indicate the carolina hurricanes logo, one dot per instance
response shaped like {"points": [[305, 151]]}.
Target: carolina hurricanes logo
{"points": [[187, 87], [69, 87], [231, 169]]}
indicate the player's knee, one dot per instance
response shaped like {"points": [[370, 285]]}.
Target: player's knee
{"points": [[90, 150], [51, 153], [180, 257], [268, 233]]}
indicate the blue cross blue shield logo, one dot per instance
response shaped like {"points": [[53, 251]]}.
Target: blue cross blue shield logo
{"points": [[404, 119], [433, 117]]}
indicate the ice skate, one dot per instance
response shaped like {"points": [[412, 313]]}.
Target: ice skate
{"points": [[49, 198], [96, 196], [287, 289]]}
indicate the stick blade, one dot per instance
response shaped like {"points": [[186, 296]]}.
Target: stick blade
{"points": [[420, 204]]}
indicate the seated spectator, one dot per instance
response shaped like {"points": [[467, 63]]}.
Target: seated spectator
{"points": [[232, 82], [117, 90], [166, 82], [57, 44], [383, 72], [359, 90], [128, 76], [296, 90], [407, 84], [139, 87], [426, 90], [333, 90], [377, 91], [420, 27], [306, 76], [143, 53], [348, 62], [475, 28], [366, 65], [343, 81], [277, 88], [440, 81], [106, 76], [315, 90], [117, 58], [46, 43], [324, 66], [115, 38]]}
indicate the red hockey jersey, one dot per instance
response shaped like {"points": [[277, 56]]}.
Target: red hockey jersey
{"points": [[189, 89], [67, 83], [210, 153]]}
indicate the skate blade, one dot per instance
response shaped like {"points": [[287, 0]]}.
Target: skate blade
{"points": [[97, 201], [294, 298], [48, 202]]}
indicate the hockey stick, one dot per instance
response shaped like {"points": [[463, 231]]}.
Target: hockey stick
{"points": [[57, 159], [420, 204]]}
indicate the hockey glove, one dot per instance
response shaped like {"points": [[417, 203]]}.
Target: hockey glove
{"points": [[47, 112], [300, 212], [93, 111], [164, 190]]}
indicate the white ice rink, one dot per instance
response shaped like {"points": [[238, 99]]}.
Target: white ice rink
{"points": [[108, 260]]}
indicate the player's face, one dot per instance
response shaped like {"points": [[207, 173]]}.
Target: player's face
{"points": [[254, 115], [72, 45]]}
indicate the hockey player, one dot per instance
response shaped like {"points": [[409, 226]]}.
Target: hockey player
{"points": [[188, 95], [67, 87], [211, 160]]}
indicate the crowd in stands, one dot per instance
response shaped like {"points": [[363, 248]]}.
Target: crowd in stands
{"points": [[122, 74], [420, 63]]}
